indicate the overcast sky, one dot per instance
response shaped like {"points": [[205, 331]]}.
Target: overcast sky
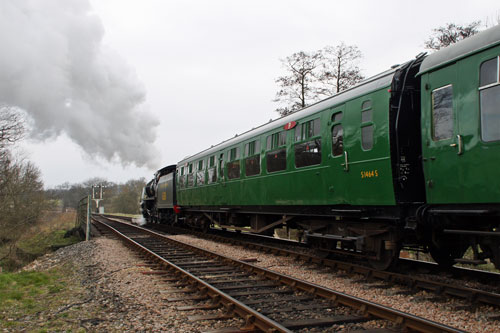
{"points": [[202, 71]]}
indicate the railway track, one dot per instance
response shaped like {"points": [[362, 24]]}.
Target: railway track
{"points": [[266, 300], [413, 282]]}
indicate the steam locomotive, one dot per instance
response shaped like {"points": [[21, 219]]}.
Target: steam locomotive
{"points": [[409, 158]]}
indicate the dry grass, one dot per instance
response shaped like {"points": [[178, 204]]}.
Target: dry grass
{"points": [[49, 234]]}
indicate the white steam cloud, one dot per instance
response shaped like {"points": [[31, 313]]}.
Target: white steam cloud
{"points": [[53, 64]]}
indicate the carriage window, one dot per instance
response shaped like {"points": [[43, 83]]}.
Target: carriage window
{"points": [[200, 175], [442, 113], [276, 140], [212, 172], [252, 165], [212, 175], [366, 116], [252, 162], [252, 148], [488, 72], [182, 178], [489, 97], [337, 140], [221, 166], [366, 125], [308, 129], [367, 137], [233, 167], [190, 176], [276, 160], [337, 135], [337, 117], [298, 132], [234, 154], [308, 153]]}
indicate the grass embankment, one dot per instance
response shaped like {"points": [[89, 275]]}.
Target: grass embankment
{"points": [[38, 301], [27, 297], [47, 235]]}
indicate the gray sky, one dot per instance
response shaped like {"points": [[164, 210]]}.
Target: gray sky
{"points": [[207, 70]]}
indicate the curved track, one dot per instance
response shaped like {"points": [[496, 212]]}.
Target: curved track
{"points": [[268, 301]]}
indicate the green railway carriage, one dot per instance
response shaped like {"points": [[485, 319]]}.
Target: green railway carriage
{"points": [[461, 121], [407, 158], [294, 162], [328, 169]]}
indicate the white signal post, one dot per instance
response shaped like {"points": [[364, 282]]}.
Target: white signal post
{"points": [[97, 195]]}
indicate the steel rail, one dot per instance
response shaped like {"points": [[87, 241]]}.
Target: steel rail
{"points": [[367, 308], [462, 292], [252, 317], [414, 282]]}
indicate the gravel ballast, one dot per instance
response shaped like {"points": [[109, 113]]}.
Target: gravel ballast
{"points": [[453, 312], [118, 297]]}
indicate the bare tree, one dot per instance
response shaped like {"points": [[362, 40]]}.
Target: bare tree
{"points": [[21, 188], [312, 76], [451, 33], [297, 88], [21, 200], [493, 20], [340, 68], [11, 127], [128, 196]]}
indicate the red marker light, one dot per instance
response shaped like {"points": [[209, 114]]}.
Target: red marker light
{"points": [[177, 209], [290, 125]]}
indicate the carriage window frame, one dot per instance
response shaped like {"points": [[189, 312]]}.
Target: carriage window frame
{"points": [[252, 158], [366, 125], [336, 119], [190, 176], [220, 165], [233, 165], [200, 172], [233, 154], [307, 129], [252, 148], [487, 119], [276, 145], [449, 133], [201, 164], [211, 170], [182, 177], [276, 140], [307, 139]]}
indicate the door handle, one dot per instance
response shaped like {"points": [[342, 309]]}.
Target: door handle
{"points": [[460, 145], [346, 160]]}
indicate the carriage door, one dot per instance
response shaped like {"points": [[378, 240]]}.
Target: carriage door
{"points": [[442, 146], [337, 187]]}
